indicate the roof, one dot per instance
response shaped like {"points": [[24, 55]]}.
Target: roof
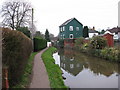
{"points": [[93, 31], [108, 32], [114, 30], [69, 20]]}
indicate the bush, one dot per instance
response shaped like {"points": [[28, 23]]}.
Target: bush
{"points": [[110, 54], [79, 41], [61, 43], [39, 44], [98, 42], [16, 51]]}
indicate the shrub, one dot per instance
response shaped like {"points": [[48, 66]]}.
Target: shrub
{"points": [[39, 43], [79, 41], [16, 51], [110, 54], [98, 42], [61, 43]]}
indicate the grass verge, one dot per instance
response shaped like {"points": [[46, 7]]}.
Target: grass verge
{"points": [[28, 70], [54, 71]]}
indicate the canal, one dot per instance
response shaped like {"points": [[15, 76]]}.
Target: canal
{"points": [[83, 71]]}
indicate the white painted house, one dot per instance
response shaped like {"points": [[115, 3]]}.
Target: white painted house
{"points": [[92, 33]]}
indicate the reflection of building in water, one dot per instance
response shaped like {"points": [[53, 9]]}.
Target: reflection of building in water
{"points": [[69, 64], [74, 62]]}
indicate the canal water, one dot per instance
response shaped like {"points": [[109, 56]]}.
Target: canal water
{"points": [[83, 71]]}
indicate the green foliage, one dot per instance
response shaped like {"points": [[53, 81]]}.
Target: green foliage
{"points": [[27, 72], [98, 42], [47, 36], [102, 32], [16, 50], [54, 71], [110, 54], [25, 31], [39, 34], [85, 31], [79, 42], [39, 43], [61, 43]]}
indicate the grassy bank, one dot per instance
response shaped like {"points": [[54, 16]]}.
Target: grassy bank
{"points": [[54, 71], [28, 70]]}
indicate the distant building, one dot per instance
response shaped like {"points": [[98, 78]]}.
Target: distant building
{"points": [[109, 37], [71, 29], [92, 33], [116, 32]]}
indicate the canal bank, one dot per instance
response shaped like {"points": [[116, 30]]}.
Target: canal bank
{"points": [[53, 70], [83, 71]]}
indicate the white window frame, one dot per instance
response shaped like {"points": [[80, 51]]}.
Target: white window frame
{"points": [[77, 29], [71, 28], [63, 28], [70, 36]]}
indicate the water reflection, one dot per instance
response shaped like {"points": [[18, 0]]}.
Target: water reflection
{"points": [[82, 71], [74, 62]]}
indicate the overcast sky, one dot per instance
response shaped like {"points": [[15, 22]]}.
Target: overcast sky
{"points": [[52, 13]]}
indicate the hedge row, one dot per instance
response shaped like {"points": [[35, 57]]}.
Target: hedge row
{"points": [[98, 47], [39, 44], [16, 50]]}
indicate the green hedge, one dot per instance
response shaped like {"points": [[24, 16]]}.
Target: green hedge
{"points": [[39, 44], [15, 52]]}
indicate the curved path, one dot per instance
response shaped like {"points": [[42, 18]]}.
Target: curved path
{"points": [[40, 77]]}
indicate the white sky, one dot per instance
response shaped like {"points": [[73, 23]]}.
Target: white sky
{"points": [[52, 13]]}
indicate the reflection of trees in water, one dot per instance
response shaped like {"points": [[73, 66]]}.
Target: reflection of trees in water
{"points": [[74, 61]]}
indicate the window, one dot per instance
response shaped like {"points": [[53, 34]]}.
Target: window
{"points": [[71, 36], [63, 28], [63, 36], [77, 28], [71, 28], [71, 66], [72, 58]]}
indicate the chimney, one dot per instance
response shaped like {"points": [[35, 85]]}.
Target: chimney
{"points": [[93, 28]]}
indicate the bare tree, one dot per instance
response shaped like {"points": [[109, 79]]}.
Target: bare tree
{"points": [[16, 14]]}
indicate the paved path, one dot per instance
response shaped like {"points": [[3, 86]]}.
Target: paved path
{"points": [[40, 78]]}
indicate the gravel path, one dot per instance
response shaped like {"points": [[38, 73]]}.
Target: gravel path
{"points": [[40, 77]]}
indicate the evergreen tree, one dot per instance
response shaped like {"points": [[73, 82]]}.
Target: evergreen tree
{"points": [[24, 30], [47, 36], [85, 31], [103, 31]]}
